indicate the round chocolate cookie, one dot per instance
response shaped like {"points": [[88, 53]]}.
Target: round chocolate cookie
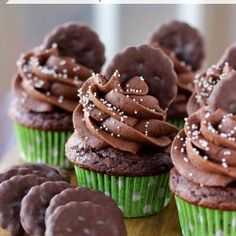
{"points": [[223, 95], [150, 63], [182, 39], [229, 56], [79, 42], [12, 192], [39, 170], [115, 162], [86, 218], [81, 195], [211, 197], [35, 203], [51, 121]]}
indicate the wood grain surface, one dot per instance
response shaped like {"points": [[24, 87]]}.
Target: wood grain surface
{"points": [[164, 224]]}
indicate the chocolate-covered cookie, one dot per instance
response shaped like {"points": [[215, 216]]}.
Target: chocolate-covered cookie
{"points": [[223, 95], [12, 192], [81, 195], [150, 63], [79, 42], [229, 56], [86, 218], [182, 39], [35, 203], [40, 170]]}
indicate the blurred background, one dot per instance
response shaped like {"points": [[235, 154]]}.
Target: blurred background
{"points": [[24, 26]]}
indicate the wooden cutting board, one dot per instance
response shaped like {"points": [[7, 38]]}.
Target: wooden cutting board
{"points": [[164, 224]]}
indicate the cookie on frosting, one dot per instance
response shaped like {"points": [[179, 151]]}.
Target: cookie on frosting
{"points": [[183, 40], [151, 64], [229, 56], [204, 85], [35, 203], [79, 42], [223, 96], [84, 218]]}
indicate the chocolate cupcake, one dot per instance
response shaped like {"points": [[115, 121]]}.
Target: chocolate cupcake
{"points": [[185, 47], [45, 89], [204, 173], [205, 82], [121, 141]]}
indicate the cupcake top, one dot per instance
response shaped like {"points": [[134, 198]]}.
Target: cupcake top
{"points": [[204, 150], [123, 112], [49, 76], [184, 45], [205, 83]]}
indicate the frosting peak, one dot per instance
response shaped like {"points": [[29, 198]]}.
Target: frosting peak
{"points": [[121, 114], [47, 81]]}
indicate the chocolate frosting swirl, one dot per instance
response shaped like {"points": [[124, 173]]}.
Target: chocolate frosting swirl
{"points": [[204, 85], [204, 150], [47, 82], [121, 114]]}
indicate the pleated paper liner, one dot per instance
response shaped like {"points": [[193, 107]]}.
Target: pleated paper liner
{"points": [[136, 196], [179, 123], [200, 221], [47, 147]]}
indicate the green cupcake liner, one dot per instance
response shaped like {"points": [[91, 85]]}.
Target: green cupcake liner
{"points": [[135, 196], [200, 221], [179, 123], [47, 147]]}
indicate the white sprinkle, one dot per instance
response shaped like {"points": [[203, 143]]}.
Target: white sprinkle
{"points": [[62, 63], [60, 99]]}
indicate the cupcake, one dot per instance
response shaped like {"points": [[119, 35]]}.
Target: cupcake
{"points": [[185, 47], [45, 91], [204, 173], [121, 141], [205, 82]]}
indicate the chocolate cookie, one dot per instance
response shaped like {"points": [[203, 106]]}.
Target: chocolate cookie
{"points": [[86, 218], [81, 195], [229, 56], [79, 42], [40, 170], [210, 197], [35, 203], [115, 162], [150, 63], [223, 95], [12, 192], [182, 39]]}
